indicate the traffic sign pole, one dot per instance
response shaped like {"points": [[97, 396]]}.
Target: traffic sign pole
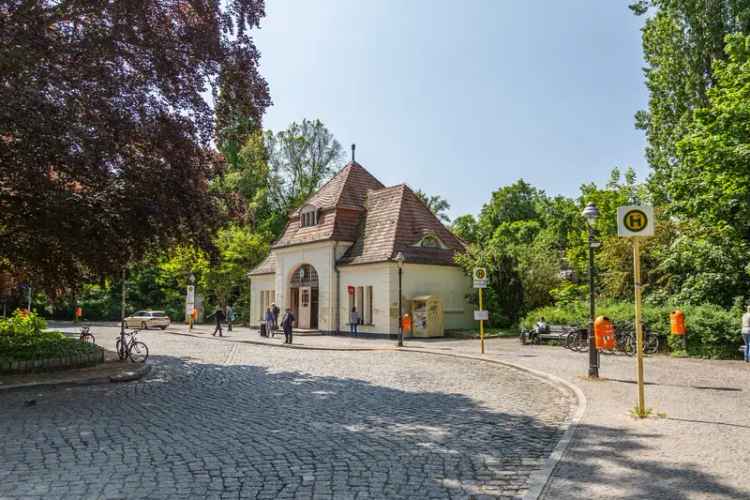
{"points": [[481, 322], [638, 326]]}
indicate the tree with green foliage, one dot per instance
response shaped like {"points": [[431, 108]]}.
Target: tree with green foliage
{"points": [[300, 159], [681, 41], [437, 205]]}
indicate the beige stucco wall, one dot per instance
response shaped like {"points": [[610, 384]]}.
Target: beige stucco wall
{"points": [[377, 276], [448, 283], [257, 285]]}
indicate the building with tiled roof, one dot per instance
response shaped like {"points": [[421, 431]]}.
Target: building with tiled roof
{"points": [[343, 248]]}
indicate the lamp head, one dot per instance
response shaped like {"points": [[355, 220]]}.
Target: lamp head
{"points": [[400, 259], [590, 213]]}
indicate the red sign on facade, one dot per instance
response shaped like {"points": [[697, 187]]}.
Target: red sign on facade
{"points": [[350, 289]]}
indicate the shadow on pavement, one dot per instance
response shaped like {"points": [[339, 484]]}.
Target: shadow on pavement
{"points": [[191, 428], [603, 462]]}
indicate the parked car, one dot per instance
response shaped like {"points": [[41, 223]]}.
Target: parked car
{"points": [[147, 319]]}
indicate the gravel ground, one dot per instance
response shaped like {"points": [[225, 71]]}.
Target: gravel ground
{"points": [[227, 419]]}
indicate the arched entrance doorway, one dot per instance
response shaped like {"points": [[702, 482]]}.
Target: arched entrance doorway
{"points": [[303, 296]]}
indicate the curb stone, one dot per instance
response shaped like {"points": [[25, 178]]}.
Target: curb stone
{"points": [[539, 480], [128, 376], [286, 346], [131, 375]]}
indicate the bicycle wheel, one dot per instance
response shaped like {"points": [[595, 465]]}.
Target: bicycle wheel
{"points": [[138, 352], [583, 342], [121, 353], [570, 339], [651, 344], [630, 346]]}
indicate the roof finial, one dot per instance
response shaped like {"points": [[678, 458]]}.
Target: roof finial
{"points": [[354, 146]]}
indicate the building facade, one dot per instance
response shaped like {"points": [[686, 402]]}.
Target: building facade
{"points": [[339, 251]]}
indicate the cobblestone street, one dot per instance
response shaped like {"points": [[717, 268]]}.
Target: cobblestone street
{"points": [[233, 420]]}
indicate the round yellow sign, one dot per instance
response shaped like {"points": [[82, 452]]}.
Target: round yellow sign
{"points": [[480, 273], [635, 221]]}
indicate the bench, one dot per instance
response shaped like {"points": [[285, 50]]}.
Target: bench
{"points": [[554, 332]]}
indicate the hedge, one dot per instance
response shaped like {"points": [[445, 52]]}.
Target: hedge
{"points": [[713, 332], [22, 338]]}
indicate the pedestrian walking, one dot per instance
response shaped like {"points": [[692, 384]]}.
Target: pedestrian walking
{"points": [[286, 323], [230, 317], [269, 322], [746, 333], [353, 321], [276, 311], [219, 314]]}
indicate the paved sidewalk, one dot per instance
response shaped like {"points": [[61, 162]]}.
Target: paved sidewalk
{"points": [[697, 448]]}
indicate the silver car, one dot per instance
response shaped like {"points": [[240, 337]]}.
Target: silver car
{"points": [[147, 319]]}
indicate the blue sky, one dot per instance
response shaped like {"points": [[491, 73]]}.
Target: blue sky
{"points": [[460, 98]]}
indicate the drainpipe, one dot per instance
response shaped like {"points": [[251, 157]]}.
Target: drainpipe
{"points": [[338, 290]]}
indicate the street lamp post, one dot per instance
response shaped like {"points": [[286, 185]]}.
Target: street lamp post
{"points": [[591, 213], [400, 260]]}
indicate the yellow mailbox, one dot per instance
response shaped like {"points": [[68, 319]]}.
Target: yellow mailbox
{"points": [[427, 316]]}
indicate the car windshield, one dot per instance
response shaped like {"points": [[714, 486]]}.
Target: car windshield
{"points": [[158, 314], [140, 313]]}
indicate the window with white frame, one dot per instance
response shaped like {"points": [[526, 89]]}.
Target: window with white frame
{"points": [[309, 217], [362, 299], [368, 306]]}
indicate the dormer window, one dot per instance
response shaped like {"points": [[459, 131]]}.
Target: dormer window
{"points": [[308, 217], [430, 241]]}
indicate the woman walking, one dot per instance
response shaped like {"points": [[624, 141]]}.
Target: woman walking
{"points": [[270, 332], [353, 321]]}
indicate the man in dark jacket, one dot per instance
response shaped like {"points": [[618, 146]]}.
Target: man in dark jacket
{"points": [[286, 323], [219, 319], [275, 310]]}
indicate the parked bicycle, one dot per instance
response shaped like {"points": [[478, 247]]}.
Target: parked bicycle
{"points": [[577, 340], [127, 346], [625, 339], [87, 336]]}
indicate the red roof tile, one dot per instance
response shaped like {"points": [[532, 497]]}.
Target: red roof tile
{"points": [[354, 206]]}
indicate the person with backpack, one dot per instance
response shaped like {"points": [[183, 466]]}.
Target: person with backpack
{"points": [[286, 323]]}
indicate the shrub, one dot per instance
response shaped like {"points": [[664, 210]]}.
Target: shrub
{"points": [[22, 337], [713, 332]]}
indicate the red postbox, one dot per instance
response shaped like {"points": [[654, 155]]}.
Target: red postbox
{"points": [[677, 322], [406, 323], [604, 333]]}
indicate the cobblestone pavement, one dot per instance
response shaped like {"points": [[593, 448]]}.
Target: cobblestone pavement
{"points": [[225, 419], [694, 447]]}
